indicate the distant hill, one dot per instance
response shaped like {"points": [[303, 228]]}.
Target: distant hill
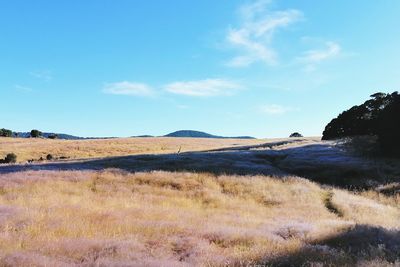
{"points": [[198, 134], [182, 133]]}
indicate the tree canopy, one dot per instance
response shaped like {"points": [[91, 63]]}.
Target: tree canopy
{"points": [[378, 116], [36, 133], [296, 134]]}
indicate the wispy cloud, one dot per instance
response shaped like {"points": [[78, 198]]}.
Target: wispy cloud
{"points": [[274, 109], [128, 88], [208, 87], [313, 57], [182, 106], [249, 10], [22, 88], [45, 75], [197, 88], [253, 38]]}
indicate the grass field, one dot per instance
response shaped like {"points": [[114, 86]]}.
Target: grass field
{"points": [[117, 216], [34, 148]]}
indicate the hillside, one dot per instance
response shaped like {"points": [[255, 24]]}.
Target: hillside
{"points": [[198, 134], [35, 148], [242, 205]]}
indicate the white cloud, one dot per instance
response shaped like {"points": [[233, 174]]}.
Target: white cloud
{"points": [[208, 87], [254, 36], [128, 88], [274, 109], [332, 49], [249, 10], [45, 75], [22, 88], [313, 57]]}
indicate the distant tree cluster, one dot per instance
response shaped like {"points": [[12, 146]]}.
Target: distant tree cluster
{"points": [[379, 116], [6, 133], [33, 134]]}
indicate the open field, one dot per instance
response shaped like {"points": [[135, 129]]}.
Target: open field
{"points": [[256, 203], [34, 148]]}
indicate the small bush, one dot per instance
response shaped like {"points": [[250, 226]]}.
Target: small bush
{"points": [[10, 158], [49, 157], [296, 134], [53, 136]]}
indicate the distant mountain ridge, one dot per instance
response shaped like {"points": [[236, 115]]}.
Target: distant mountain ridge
{"points": [[180, 133], [198, 134]]}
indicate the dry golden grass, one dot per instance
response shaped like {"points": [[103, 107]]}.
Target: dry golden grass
{"points": [[115, 218], [118, 218], [388, 194], [34, 148]]}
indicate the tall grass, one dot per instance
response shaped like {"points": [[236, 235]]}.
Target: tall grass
{"points": [[115, 218]]}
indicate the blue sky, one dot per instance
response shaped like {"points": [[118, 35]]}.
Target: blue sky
{"points": [[228, 67]]}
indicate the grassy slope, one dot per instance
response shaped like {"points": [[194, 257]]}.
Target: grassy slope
{"points": [[117, 218], [178, 219]]}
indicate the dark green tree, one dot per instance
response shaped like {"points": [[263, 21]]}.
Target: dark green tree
{"points": [[36, 133], [296, 134], [359, 120], [378, 116], [388, 128]]}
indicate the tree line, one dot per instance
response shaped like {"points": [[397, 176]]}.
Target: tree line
{"points": [[379, 116], [33, 133]]}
